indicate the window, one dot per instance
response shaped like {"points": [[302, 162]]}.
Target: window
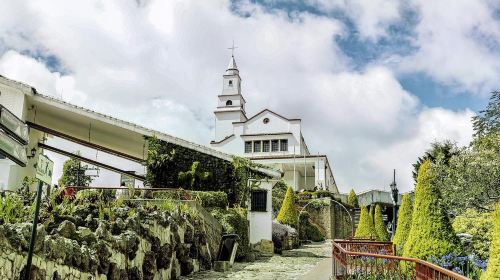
{"points": [[265, 121], [275, 144], [248, 146], [265, 146], [284, 145], [230, 83], [259, 200], [256, 146], [229, 103]]}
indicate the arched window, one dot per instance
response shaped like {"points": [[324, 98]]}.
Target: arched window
{"points": [[230, 83], [229, 103]]}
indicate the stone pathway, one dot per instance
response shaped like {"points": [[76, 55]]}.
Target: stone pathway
{"points": [[291, 265]]}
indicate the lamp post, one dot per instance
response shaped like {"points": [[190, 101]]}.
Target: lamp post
{"points": [[395, 194]]}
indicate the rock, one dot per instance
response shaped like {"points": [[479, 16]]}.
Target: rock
{"points": [[134, 273], [127, 243], [284, 237], [103, 255], [115, 273], [221, 266], [264, 246], [86, 235], [149, 266], [102, 232], [67, 229], [164, 256]]}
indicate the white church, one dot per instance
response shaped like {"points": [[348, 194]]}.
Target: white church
{"points": [[268, 138]]}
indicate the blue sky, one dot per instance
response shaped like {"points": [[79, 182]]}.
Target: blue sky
{"points": [[374, 81]]}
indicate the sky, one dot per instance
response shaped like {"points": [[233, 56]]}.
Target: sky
{"points": [[374, 82]]}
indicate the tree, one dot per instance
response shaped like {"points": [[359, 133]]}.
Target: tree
{"points": [[288, 213], [352, 199], [380, 228], [404, 223], [480, 227], [493, 270], [365, 227], [192, 178], [488, 120], [431, 233], [439, 150], [74, 174]]}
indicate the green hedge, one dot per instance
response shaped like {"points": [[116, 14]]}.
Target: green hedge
{"points": [[431, 233], [404, 222], [493, 270]]}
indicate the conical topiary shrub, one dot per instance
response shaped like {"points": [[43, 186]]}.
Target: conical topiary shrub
{"points": [[288, 213], [493, 270], [352, 199], [380, 228], [365, 226], [431, 233], [404, 223]]}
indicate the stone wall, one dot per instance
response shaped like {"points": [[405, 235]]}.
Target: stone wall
{"points": [[148, 246], [334, 219]]}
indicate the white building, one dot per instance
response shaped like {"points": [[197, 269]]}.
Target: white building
{"points": [[268, 138]]}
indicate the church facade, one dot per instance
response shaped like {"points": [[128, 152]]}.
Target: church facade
{"points": [[268, 138]]}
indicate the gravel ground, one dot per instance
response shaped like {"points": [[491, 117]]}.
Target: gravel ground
{"points": [[291, 265]]}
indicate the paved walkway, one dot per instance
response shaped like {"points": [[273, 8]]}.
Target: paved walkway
{"points": [[293, 264], [322, 271]]}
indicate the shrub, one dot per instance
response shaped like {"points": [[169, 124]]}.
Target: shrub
{"points": [[480, 226], [288, 214], [365, 228], [278, 194], [323, 193], [431, 233], [210, 199], [352, 199], [404, 222], [234, 220], [12, 209], [493, 269], [380, 228]]}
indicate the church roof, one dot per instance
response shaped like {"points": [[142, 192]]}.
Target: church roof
{"points": [[267, 110], [232, 68]]}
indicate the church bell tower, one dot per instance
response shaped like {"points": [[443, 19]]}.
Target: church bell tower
{"points": [[231, 105]]}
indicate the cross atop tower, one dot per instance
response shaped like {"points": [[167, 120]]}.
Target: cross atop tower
{"points": [[232, 49]]}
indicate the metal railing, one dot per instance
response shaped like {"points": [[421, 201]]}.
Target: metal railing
{"points": [[360, 259]]}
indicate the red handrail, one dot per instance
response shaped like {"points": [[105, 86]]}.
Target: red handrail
{"points": [[348, 264]]}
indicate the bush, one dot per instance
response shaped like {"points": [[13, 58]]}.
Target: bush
{"points": [[288, 214], [380, 228], [306, 195], [480, 226], [352, 199], [234, 220], [365, 228], [431, 233], [210, 199], [12, 209], [404, 223], [278, 194], [323, 193], [493, 270]]}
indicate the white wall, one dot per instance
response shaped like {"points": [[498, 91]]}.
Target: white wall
{"points": [[261, 223]]}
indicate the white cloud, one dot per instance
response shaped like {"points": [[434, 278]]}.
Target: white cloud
{"points": [[160, 65]]}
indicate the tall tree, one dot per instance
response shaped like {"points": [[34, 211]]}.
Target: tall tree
{"points": [[431, 233], [74, 174], [380, 227], [439, 150], [488, 120], [404, 222], [365, 228], [352, 199]]}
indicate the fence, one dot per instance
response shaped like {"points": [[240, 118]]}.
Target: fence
{"points": [[363, 259]]}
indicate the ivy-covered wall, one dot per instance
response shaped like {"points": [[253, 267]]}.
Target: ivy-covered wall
{"points": [[166, 160]]}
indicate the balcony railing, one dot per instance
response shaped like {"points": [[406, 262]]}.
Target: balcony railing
{"points": [[363, 259]]}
